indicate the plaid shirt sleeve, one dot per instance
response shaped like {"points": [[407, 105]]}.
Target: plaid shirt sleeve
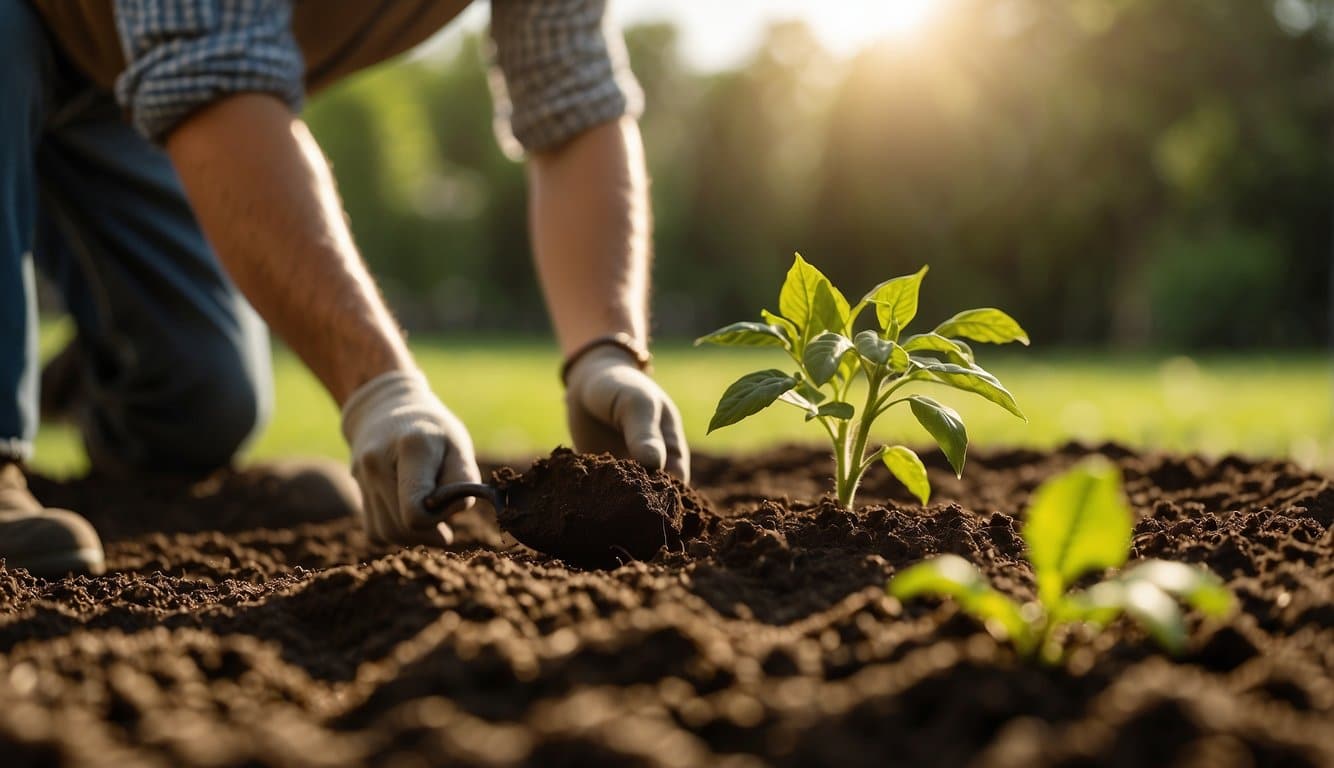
{"points": [[184, 54], [561, 68]]}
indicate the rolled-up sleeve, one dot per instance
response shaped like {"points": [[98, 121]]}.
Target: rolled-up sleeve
{"points": [[560, 68], [184, 54]]}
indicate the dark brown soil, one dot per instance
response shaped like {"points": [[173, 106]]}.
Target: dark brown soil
{"points": [[229, 637], [594, 511]]}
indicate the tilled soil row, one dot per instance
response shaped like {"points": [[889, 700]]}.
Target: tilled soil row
{"points": [[765, 639]]}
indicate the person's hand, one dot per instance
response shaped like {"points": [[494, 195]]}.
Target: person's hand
{"points": [[404, 444], [613, 406]]}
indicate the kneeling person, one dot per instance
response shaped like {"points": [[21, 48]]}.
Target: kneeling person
{"points": [[162, 232]]}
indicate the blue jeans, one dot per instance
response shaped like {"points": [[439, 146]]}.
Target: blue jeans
{"points": [[174, 363]]}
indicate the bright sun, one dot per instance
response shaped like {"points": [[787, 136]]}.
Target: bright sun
{"points": [[720, 33], [899, 17], [851, 24]]}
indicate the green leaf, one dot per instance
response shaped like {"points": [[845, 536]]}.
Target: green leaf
{"points": [[987, 324], [875, 349], [952, 576], [823, 355], [829, 312], [811, 302], [1098, 605], [909, 469], [899, 360], [749, 395], [945, 425], [1145, 592], [967, 350], [878, 351], [798, 296], [1158, 613], [844, 309], [953, 351], [896, 301], [808, 391], [849, 367], [746, 334], [792, 397], [1077, 521], [1200, 589], [971, 379], [788, 328], [837, 410]]}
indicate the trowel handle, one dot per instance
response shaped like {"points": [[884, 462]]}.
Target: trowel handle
{"points": [[441, 498]]}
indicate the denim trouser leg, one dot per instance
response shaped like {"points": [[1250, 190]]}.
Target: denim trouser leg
{"points": [[175, 363], [26, 64]]}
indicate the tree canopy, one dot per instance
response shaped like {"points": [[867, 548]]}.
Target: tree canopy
{"points": [[1150, 173]]}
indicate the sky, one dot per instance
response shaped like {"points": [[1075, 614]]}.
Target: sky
{"points": [[717, 34], [720, 33]]}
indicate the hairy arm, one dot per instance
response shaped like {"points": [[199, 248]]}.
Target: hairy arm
{"points": [[265, 198], [590, 220]]}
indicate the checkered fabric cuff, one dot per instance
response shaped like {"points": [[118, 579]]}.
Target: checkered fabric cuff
{"points": [[185, 54], [560, 68]]}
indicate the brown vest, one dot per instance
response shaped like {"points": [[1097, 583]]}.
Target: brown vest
{"points": [[336, 37]]}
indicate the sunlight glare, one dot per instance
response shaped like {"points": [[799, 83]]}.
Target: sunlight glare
{"points": [[717, 35], [851, 25]]}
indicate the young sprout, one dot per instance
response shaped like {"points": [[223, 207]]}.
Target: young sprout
{"points": [[1077, 522], [815, 326]]}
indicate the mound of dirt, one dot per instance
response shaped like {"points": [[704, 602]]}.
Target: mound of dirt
{"points": [[759, 636], [595, 511]]}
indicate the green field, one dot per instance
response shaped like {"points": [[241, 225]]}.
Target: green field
{"points": [[508, 394]]}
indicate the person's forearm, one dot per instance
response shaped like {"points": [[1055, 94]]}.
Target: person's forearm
{"points": [[590, 224], [266, 200]]}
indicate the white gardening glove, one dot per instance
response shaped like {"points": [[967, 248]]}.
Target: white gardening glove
{"points": [[614, 407], [404, 444]]}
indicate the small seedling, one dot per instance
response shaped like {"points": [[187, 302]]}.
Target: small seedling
{"points": [[816, 327], [1077, 522]]}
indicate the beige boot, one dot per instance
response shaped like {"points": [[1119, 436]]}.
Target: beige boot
{"points": [[47, 542]]}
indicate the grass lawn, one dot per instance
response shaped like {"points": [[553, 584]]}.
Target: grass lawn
{"points": [[508, 394]]}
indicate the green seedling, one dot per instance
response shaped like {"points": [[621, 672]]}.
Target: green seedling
{"points": [[816, 327], [1077, 522]]}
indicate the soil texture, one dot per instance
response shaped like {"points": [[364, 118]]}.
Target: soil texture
{"points": [[594, 511], [245, 629]]}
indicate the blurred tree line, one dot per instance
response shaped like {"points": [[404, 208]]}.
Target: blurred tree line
{"points": [[1146, 173]]}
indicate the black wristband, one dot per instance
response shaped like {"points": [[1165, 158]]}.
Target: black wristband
{"points": [[622, 341]]}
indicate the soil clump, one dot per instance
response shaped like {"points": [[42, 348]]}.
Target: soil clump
{"points": [[595, 511]]}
